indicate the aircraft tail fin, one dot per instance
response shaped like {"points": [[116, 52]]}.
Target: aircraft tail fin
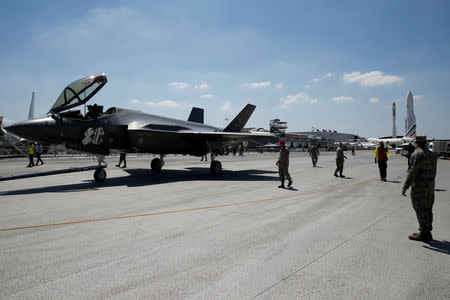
{"points": [[31, 112], [1, 126], [241, 119], [411, 133], [197, 115]]}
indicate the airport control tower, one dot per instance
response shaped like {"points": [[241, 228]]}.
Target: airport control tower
{"points": [[394, 121], [410, 117]]}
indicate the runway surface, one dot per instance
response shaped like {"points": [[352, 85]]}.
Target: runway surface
{"points": [[184, 234]]}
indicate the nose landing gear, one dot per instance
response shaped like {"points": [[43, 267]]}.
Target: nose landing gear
{"points": [[216, 166]]}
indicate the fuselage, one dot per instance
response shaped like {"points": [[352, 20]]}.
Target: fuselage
{"points": [[118, 129]]}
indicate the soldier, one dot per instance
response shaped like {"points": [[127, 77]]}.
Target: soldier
{"points": [[340, 161], [283, 165], [314, 153], [421, 179]]}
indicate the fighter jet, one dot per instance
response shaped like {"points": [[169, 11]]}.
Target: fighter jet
{"points": [[130, 131]]}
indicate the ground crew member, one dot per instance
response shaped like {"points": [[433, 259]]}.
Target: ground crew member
{"points": [[421, 179], [353, 151], [314, 153], [123, 159], [283, 165], [31, 154], [39, 149], [340, 161], [381, 155]]}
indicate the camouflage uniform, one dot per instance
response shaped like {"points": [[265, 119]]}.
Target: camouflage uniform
{"points": [[314, 152], [421, 179], [339, 161], [282, 165]]}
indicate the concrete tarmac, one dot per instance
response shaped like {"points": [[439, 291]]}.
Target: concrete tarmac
{"points": [[183, 234]]}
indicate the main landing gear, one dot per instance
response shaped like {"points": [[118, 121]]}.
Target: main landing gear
{"points": [[216, 166], [157, 164], [100, 173]]}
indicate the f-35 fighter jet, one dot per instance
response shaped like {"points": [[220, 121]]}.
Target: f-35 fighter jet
{"points": [[130, 131]]}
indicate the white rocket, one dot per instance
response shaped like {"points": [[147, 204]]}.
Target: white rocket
{"points": [[394, 121], [410, 120]]}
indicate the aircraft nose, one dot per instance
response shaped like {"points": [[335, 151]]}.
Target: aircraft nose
{"points": [[35, 130]]}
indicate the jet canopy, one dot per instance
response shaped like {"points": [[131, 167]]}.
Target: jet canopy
{"points": [[79, 92]]}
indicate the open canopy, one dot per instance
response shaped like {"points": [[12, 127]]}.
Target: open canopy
{"points": [[79, 92]]}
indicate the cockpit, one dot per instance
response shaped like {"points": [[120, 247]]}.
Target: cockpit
{"points": [[78, 93]]}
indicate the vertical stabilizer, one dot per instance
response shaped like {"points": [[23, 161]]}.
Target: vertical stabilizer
{"points": [[241, 119], [197, 115], [31, 112]]}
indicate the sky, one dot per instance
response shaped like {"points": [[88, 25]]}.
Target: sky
{"points": [[334, 65]]}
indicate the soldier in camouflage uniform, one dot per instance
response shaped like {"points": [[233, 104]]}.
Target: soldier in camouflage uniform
{"points": [[421, 179], [314, 153], [283, 165], [340, 161]]}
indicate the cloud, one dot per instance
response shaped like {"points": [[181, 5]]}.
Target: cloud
{"points": [[207, 96], [374, 78], [202, 86], [163, 103], [342, 99], [255, 85], [296, 99], [374, 100], [226, 106], [179, 85], [418, 97], [307, 86], [326, 76], [279, 85]]}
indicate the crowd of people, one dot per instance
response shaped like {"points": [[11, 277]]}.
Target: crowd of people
{"points": [[420, 178]]}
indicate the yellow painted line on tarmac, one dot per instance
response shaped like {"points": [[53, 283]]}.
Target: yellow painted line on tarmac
{"points": [[191, 209]]}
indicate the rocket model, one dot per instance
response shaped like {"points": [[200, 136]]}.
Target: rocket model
{"points": [[410, 120], [394, 121]]}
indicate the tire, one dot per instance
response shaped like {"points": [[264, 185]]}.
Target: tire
{"points": [[156, 165], [216, 168], [100, 175]]}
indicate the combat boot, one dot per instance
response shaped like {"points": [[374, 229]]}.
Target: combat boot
{"points": [[335, 174], [289, 183], [281, 186], [422, 236]]}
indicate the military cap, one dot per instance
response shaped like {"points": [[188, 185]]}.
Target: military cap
{"points": [[421, 139]]}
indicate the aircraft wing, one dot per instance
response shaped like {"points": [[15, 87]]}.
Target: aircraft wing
{"points": [[216, 137]]}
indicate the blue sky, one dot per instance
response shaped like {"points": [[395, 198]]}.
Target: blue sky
{"points": [[335, 65]]}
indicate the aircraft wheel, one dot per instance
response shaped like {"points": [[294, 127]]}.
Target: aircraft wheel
{"points": [[216, 168], [100, 175], [156, 165]]}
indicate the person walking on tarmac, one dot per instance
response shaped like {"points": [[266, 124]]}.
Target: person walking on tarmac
{"points": [[31, 154], [283, 165], [421, 178], [353, 151], [314, 153], [410, 150], [122, 158], [340, 161], [381, 155], [39, 149]]}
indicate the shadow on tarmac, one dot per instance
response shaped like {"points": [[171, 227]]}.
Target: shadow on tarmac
{"points": [[143, 177], [440, 190], [439, 246]]}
